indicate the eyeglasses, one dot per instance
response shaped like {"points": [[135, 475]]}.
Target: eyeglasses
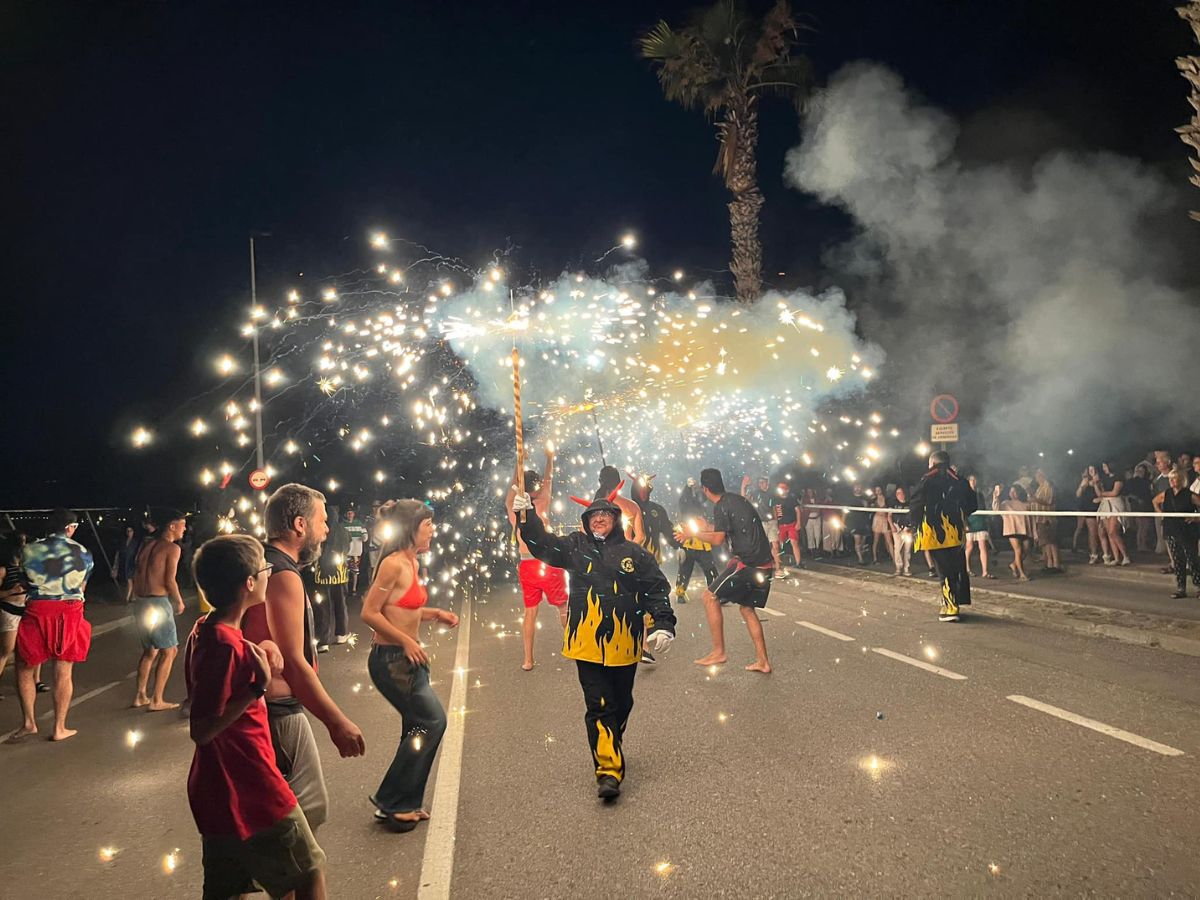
{"points": [[267, 568]]}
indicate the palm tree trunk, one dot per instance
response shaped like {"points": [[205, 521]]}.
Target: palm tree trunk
{"points": [[741, 177]]}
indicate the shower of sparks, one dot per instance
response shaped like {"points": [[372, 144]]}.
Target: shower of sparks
{"points": [[404, 367]]}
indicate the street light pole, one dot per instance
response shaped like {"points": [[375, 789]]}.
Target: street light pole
{"points": [[257, 372]]}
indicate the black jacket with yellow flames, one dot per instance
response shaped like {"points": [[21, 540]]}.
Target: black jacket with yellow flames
{"points": [[613, 582], [939, 508]]}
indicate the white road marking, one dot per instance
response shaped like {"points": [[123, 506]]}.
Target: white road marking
{"points": [[437, 865], [825, 631], [98, 630], [771, 612], [1121, 735], [936, 670], [75, 701]]}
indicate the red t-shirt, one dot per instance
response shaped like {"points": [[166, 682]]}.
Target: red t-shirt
{"points": [[233, 787]]}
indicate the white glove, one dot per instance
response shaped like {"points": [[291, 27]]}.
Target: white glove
{"points": [[659, 641], [522, 502]]}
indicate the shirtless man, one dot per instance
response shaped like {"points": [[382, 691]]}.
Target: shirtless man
{"points": [[631, 513], [157, 602], [296, 525], [537, 579]]}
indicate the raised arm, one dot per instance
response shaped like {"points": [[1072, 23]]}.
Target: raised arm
{"points": [[549, 548]]}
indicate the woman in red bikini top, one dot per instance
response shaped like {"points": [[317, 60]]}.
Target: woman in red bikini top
{"points": [[395, 606]]}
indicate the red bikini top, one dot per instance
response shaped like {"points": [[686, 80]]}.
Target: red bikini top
{"points": [[415, 597]]}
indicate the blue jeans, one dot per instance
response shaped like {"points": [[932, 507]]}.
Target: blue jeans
{"points": [[423, 722]]}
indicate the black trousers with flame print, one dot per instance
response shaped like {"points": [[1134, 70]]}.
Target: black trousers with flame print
{"points": [[951, 565], [608, 695]]}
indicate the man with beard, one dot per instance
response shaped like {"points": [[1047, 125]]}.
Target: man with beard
{"points": [[296, 527], [938, 509]]}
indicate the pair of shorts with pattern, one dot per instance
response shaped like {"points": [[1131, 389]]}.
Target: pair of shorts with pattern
{"points": [[156, 623], [744, 585], [980, 536], [278, 860], [540, 580]]}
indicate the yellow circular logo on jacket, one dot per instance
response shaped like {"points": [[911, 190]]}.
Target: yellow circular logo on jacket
{"points": [[627, 564]]}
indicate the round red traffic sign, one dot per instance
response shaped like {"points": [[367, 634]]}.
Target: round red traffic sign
{"points": [[259, 479], [944, 408]]}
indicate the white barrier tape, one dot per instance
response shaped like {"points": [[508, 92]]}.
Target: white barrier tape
{"points": [[1031, 512]]}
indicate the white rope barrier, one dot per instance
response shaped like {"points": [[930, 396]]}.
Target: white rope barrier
{"points": [[1021, 512]]}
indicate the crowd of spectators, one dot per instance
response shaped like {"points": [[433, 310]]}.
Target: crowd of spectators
{"points": [[877, 532]]}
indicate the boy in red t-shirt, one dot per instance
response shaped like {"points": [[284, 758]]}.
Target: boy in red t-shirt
{"points": [[253, 832]]}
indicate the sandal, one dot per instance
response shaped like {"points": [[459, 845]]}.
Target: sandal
{"points": [[394, 825]]}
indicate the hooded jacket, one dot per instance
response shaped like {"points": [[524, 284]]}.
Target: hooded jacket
{"points": [[656, 521], [613, 583], [939, 508]]}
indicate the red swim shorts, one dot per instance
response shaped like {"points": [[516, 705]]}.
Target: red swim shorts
{"points": [[789, 532], [538, 580], [53, 629]]}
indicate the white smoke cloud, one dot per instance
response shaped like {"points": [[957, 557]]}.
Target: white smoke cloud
{"points": [[670, 379], [1042, 295]]}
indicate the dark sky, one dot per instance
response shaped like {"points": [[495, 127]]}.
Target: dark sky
{"points": [[146, 140]]}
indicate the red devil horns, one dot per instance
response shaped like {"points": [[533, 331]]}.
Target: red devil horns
{"points": [[616, 491], [582, 502]]}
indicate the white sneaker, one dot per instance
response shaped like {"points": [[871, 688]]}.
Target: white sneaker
{"points": [[342, 638], [1093, 559], [1125, 562], [1109, 561]]}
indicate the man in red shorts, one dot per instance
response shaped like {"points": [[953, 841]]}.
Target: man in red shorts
{"points": [[537, 579], [53, 627], [786, 508]]}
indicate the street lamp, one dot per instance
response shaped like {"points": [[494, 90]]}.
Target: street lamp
{"points": [[254, 315]]}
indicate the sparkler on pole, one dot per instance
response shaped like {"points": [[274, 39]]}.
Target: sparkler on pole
{"points": [[516, 363]]}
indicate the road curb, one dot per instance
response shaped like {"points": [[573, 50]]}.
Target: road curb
{"points": [[1142, 629]]}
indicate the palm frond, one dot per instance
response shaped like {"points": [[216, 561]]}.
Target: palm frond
{"points": [[662, 42], [776, 36], [791, 79]]}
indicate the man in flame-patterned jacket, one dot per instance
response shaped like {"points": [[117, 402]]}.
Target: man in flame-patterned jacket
{"points": [[938, 509], [613, 583]]}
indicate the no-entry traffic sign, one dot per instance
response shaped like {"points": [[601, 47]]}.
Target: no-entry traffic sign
{"points": [[944, 408], [259, 479]]}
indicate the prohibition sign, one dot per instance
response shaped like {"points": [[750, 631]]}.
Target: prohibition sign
{"points": [[259, 479], [944, 408]]}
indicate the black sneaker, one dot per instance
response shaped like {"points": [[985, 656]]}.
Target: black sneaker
{"points": [[1179, 595], [948, 617], [608, 788], [648, 659], [43, 688]]}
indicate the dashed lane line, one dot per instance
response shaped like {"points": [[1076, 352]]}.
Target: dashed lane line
{"points": [[772, 612], [928, 667], [437, 864], [837, 635], [1120, 734]]}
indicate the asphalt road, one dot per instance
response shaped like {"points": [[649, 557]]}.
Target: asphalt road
{"points": [[848, 772]]}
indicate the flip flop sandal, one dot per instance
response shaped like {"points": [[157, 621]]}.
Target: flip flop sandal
{"points": [[394, 825]]}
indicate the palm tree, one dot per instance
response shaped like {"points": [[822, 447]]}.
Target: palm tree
{"points": [[722, 62], [1189, 67]]}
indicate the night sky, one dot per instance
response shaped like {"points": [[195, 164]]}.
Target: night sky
{"points": [[146, 141]]}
